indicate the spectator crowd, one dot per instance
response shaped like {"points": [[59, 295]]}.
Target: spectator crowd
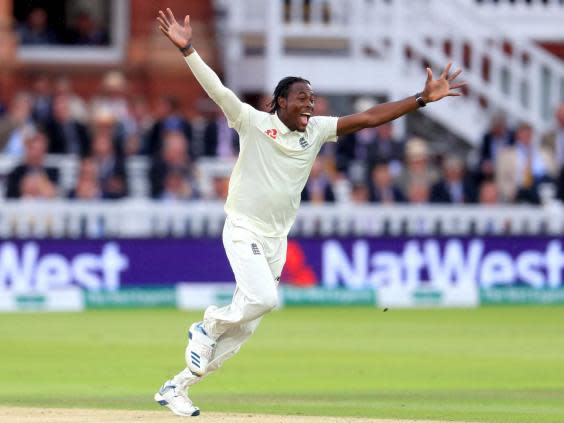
{"points": [[512, 164]]}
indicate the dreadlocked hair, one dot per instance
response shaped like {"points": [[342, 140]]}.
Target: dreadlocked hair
{"points": [[282, 89]]}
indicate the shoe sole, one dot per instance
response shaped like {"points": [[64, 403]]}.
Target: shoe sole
{"points": [[164, 403]]}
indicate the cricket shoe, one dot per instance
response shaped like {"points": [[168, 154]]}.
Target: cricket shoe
{"points": [[200, 349], [176, 400]]}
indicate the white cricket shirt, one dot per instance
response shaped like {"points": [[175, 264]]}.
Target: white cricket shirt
{"points": [[274, 163], [272, 169]]}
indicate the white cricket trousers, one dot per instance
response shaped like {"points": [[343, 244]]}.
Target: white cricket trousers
{"points": [[257, 263]]}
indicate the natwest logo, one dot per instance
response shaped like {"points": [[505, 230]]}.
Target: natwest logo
{"points": [[427, 262], [23, 269]]}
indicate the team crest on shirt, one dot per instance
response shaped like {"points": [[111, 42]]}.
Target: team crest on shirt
{"points": [[303, 143], [272, 133]]}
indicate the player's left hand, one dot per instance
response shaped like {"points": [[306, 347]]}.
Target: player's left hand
{"points": [[435, 89]]}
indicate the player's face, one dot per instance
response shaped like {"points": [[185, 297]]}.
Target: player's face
{"points": [[297, 109]]}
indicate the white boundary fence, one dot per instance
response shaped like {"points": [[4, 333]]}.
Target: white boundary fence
{"points": [[144, 218]]}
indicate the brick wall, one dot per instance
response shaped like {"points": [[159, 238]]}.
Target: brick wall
{"points": [[153, 66]]}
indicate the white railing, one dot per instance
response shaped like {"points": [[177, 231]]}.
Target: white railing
{"points": [[137, 169], [144, 218], [514, 76], [380, 47], [537, 19]]}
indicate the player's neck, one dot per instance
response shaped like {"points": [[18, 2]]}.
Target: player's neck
{"points": [[284, 119]]}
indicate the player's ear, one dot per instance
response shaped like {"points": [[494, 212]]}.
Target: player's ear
{"points": [[282, 102]]}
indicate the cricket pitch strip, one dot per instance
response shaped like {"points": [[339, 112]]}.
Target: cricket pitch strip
{"points": [[76, 415]]}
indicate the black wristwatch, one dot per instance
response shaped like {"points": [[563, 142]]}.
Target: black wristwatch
{"points": [[419, 100], [184, 50]]}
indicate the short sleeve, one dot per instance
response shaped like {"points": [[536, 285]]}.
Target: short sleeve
{"points": [[326, 126]]}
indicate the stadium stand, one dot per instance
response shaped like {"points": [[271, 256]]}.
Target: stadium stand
{"points": [[121, 163]]}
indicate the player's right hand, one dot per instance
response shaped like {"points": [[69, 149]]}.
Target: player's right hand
{"points": [[179, 35]]}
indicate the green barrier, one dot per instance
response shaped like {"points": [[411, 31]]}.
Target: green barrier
{"points": [[30, 301], [131, 298], [427, 297], [327, 297], [295, 297], [521, 295], [64, 299]]}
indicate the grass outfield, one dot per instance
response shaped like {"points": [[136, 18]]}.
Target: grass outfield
{"points": [[488, 364]]}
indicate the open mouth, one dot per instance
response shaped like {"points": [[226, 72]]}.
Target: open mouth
{"points": [[304, 118]]}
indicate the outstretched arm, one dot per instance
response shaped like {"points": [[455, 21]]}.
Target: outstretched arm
{"points": [[181, 37], [434, 91]]}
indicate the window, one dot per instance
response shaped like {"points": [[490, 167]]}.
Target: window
{"points": [[71, 31]]}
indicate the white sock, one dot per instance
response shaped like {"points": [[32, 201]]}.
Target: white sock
{"points": [[185, 379]]}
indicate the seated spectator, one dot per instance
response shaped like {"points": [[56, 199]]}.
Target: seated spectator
{"points": [[554, 143], [87, 184], [113, 100], [498, 137], [35, 30], [359, 193], [112, 174], [66, 135], [488, 193], [220, 187], [318, 187], [14, 123], [37, 185], [455, 187], [141, 123], [36, 145], [520, 168], [104, 123], [219, 139], [42, 98], [323, 108], [77, 105], [382, 188], [418, 192], [554, 140], [173, 155], [352, 152], [178, 186], [386, 148], [86, 31], [169, 119], [489, 197], [417, 165]]}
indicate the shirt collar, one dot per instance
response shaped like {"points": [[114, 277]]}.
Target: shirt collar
{"points": [[283, 129]]}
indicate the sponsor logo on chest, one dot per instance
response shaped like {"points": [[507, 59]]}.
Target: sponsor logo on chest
{"points": [[273, 134]]}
